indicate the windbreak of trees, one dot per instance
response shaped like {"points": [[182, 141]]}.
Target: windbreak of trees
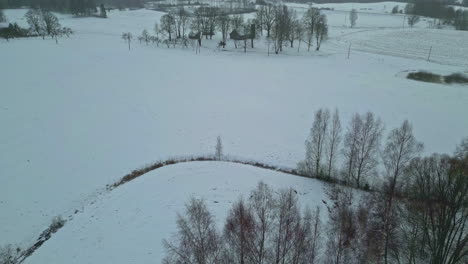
{"points": [[41, 23], [419, 214], [281, 25], [120, 4], [438, 10], [269, 227], [76, 7], [360, 149]]}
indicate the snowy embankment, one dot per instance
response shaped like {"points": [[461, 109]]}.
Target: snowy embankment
{"points": [[81, 114], [128, 224]]}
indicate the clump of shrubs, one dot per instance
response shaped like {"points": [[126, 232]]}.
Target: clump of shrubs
{"points": [[13, 31], [57, 223], [436, 78], [425, 77], [456, 78], [9, 255]]}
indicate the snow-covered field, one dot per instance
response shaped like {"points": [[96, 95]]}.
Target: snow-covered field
{"points": [[79, 115], [143, 212]]}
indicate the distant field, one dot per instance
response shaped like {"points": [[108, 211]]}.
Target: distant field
{"points": [[445, 46]]}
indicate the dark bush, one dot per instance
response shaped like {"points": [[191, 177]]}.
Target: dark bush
{"points": [[13, 31], [57, 223], [456, 78], [425, 77]]}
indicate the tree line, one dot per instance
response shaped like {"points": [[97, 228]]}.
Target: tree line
{"points": [[439, 10], [41, 23], [418, 215], [359, 148], [75, 7], [280, 24]]}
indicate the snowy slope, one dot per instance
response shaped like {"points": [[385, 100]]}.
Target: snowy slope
{"points": [[128, 225], [79, 115]]}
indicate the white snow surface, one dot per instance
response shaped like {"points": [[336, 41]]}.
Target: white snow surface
{"points": [[80, 114], [129, 224]]}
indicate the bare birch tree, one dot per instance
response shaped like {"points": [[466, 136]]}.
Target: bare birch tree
{"points": [[309, 20], [239, 231], [321, 30], [362, 143], [197, 240], [128, 38], [400, 149], [333, 142], [315, 144], [263, 205], [287, 218], [219, 148]]}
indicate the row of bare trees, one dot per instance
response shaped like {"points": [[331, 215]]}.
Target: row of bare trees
{"points": [[268, 228], [282, 26], [421, 219], [359, 149], [44, 23]]}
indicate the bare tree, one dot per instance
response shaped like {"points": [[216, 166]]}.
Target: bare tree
{"points": [[157, 32], [353, 17], [315, 234], [263, 205], [362, 143], [181, 18], [315, 144], [128, 38], [282, 27], [461, 151], [299, 32], [333, 142], [267, 17], [287, 218], [213, 13], [219, 148], [293, 24], [8, 255], [35, 21], [224, 23], [168, 25], [197, 240], [341, 226], [321, 30], [438, 198], [310, 19], [145, 36], [239, 231], [51, 22], [413, 20], [306, 237], [351, 142], [237, 22], [400, 149]]}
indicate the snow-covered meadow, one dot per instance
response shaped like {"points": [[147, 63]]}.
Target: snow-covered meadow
{"points": [[78, 115], [143, 213]]}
